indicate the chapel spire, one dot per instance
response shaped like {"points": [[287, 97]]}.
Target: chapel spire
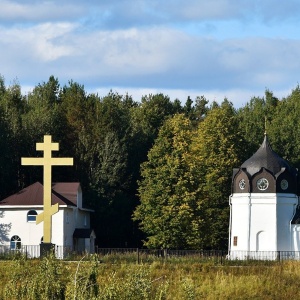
{"points": [[265, 125]]}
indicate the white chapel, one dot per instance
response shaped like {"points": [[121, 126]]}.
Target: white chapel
{"points": [[264, 207], [71, 228]]}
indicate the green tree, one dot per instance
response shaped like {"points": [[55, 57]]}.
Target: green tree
{"points": [[169, 212], [197, 112], [42, 115], [284, 127], [187, 179], [107, 144], [11, 109], [255, 118], [146, 121], [217, 148]]}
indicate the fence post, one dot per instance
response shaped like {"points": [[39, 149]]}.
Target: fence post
{"points": [[165, 253], [138, 255], [278, 255]]}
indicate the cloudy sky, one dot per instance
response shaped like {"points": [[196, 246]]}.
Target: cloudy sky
{"points": [[218, 48]]}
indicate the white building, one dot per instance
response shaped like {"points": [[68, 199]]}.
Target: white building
{"points": [[70, 225], [264, 211]]}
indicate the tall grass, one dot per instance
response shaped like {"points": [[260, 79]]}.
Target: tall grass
{"points": [[177, 278]]}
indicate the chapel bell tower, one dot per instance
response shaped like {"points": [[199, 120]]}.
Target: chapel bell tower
{"points": [[262, 204]]}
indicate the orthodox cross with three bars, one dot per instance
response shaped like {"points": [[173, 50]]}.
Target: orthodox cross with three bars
{"points": [[47, 161]]}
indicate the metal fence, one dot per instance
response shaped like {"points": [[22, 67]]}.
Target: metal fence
{"points": [[34, 251], [264, 255], [218, 256], [137, 254], [163, 254]]}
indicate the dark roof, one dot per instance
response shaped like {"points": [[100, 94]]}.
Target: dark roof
{"points": [[296, 218], [63, 193], [82, 233], [68, 190], [266, 158]]}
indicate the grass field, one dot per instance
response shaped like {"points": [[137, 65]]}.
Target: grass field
{"points": [[119, 277]]}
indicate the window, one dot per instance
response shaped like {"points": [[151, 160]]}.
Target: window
{"points": [[31, 216], [235, 238], [15, 242], [262, 184]]}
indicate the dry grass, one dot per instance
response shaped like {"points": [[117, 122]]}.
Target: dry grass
{"points": [[169, 280]]}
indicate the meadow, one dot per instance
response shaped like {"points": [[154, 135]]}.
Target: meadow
{"points": [[121, 277]]}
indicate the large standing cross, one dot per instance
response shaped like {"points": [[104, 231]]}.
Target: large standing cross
{"points": [[47, 161]]}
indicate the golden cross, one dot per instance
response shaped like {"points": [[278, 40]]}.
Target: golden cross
{"points": [[47, 161]]}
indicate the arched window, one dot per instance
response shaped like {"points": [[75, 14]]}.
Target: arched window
{"points": [[15, 242], [31, 216]]}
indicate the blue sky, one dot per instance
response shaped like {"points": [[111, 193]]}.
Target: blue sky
{"points": [[219, 48]]}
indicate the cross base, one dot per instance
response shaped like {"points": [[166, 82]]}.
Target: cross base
{"points": [[46, 249]]}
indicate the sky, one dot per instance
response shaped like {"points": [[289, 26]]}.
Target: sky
{"points": [[234, 49]]}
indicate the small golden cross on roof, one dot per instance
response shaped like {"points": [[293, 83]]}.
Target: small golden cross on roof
{"points": [[47, 161]]}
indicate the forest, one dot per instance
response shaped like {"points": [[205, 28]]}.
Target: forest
{"points": [[156, 171]]}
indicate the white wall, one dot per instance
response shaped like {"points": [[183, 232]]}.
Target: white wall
{"points": [[69, 226], [296, 237], [58, 227], [262, 222], [263, 236], [29, 232], [240, 214], [286, 207]]}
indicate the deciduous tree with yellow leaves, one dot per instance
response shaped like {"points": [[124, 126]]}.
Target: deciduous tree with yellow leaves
{"points": [[186, 181]]}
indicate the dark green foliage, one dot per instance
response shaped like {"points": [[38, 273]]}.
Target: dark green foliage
{"points": [[111, 137]]}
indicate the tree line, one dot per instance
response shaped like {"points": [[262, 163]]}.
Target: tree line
{"points": [[156, 171]]}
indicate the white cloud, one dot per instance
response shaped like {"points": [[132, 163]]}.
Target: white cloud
{"points": [[38, 11], [34, 44], [113, 44], [149, 57]]}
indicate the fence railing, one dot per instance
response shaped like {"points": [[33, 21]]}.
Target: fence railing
{"points": [[34, 251], [218, 256], [264, 255]]}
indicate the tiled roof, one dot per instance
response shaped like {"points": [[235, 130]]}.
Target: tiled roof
{"points": [[63, 193]]}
